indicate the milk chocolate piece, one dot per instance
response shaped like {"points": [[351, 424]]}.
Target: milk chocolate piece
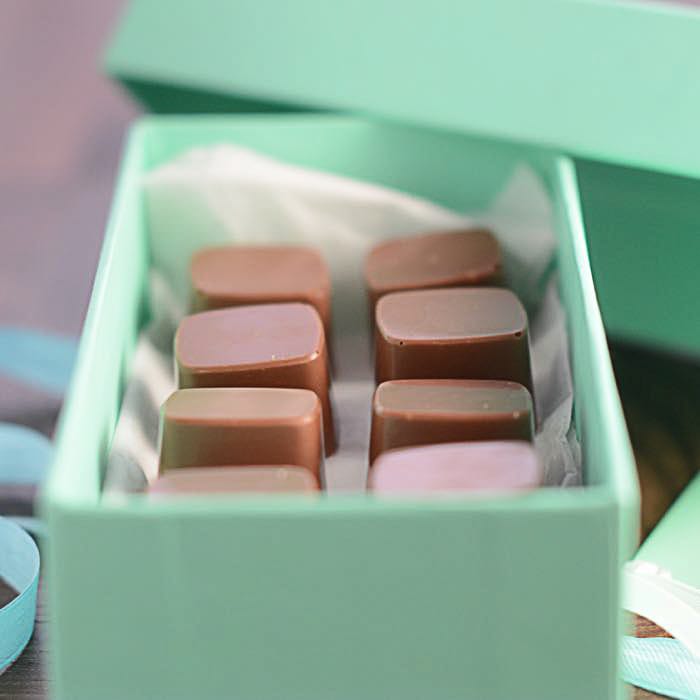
{"points": [[241, 427], [505, 465], [269, 345], [478, 333], [242, 275], [213, 480], [426, 411], [445, 259]]}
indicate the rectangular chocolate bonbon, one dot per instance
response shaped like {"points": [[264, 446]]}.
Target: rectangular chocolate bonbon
{"points": [[460, 333], [241, 275], [241, 427], [432, 260], [265, 345], [225, 479], [505, 465], [426, 411]]}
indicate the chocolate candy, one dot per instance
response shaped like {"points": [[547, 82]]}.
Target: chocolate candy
{"points": [[450, 259], [242, 275], [212, 480], [426, 411], [478, 333], [241, 427], [506, 465], [270, 345]]}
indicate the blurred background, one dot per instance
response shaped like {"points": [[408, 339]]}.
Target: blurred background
{"points": [[63, 122], [62, 125]]}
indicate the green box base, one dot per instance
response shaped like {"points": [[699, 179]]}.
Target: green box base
{"points": [[350, 597]]}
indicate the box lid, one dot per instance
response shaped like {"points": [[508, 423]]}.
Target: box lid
{"points": [[614, 81]]}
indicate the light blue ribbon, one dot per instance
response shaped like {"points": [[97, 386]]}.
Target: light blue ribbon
{"points": [[19, 566], [24, 454], [661, 665], [42, 359], [45, 361]]}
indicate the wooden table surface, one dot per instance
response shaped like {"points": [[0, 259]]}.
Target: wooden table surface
{"points": [[62, 124]]}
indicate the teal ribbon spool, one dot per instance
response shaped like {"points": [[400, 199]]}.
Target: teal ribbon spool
{"points": [[19, 566], [24, 454], [45, 361], [662, 666]]}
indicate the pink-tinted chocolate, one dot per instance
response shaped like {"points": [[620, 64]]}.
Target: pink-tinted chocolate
{"points": [[507, 465]]}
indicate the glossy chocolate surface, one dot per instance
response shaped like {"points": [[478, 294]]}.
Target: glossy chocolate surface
{"points": [[460, 333], [267, 345], [507, 465], [241, 427], [240, 275], [229, 479], [443, 259], [427, 411]]}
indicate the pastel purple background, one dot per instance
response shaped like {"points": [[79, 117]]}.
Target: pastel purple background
{"points": [[61, 126]]}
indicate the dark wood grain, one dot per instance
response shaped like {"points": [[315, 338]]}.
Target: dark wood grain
{"points": [[659, 394], [27, 678], [7, 593], [660, 398]]}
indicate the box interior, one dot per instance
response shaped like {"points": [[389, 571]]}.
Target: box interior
{"points": [[456, 171], [342, 218]]}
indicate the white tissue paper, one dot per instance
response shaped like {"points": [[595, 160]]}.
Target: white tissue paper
{"points": [[226, 194]]}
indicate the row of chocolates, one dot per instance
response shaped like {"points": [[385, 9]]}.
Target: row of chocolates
{"points": [[453, 410], [252, 412], [254, 378]]}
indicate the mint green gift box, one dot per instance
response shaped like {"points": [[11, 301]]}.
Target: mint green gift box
{"points": [[352, 597], [613, 84]]}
